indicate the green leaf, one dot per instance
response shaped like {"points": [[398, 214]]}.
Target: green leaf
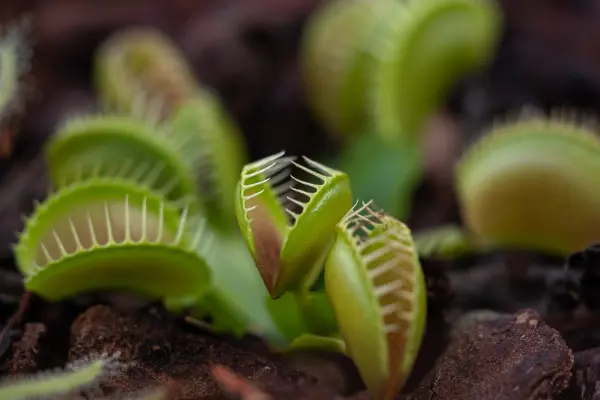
{"points": [[236, 301], [299, 313], [445, 242], [286, 313], [317, 312], [309, 341], [381, 170]]}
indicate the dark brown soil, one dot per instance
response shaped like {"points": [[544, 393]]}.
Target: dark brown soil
{"points": [[160, 350], [500, 326]]}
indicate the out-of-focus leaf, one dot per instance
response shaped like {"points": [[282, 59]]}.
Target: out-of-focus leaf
{"points": [[383, 171], [286, 314], [319, 314], [445, 242], [309, 341]]}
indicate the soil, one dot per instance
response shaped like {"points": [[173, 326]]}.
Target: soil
{"points": [[500, 326]]}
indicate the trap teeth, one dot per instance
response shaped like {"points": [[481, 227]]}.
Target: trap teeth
{"points": [[123, 147], [377, 290], [106, 234], [287, 212], [532, 184]]}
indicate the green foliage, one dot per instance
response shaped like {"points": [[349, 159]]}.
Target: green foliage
{"points": [[386, 173], [448, 241]]}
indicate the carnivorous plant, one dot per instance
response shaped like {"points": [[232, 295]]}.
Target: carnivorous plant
{"points": [[527, 184], [377, 290]]}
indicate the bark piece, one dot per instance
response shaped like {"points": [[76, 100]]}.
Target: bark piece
{"points": [[510, 357]]}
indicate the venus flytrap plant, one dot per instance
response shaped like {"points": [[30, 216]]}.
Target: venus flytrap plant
{"points": [[423, 55], [377, 290], [142, 64], [173, 163], [236, 300], [531, 184], [335, 60], [288, 222], [142, 72], [386, 66], [377, 70], [126, 147], [527, 184], [104, 234], [78, 376]]}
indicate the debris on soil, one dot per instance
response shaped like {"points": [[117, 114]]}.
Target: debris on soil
{"points": [[234, 385], [160, 350], [7, 138], [336, 371], [27, 350], [14, 320], [508, 357]]}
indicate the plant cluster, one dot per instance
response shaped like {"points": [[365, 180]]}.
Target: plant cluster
{"points": [[375, 304], [374, 72], [161, 201], [156, 194]]}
